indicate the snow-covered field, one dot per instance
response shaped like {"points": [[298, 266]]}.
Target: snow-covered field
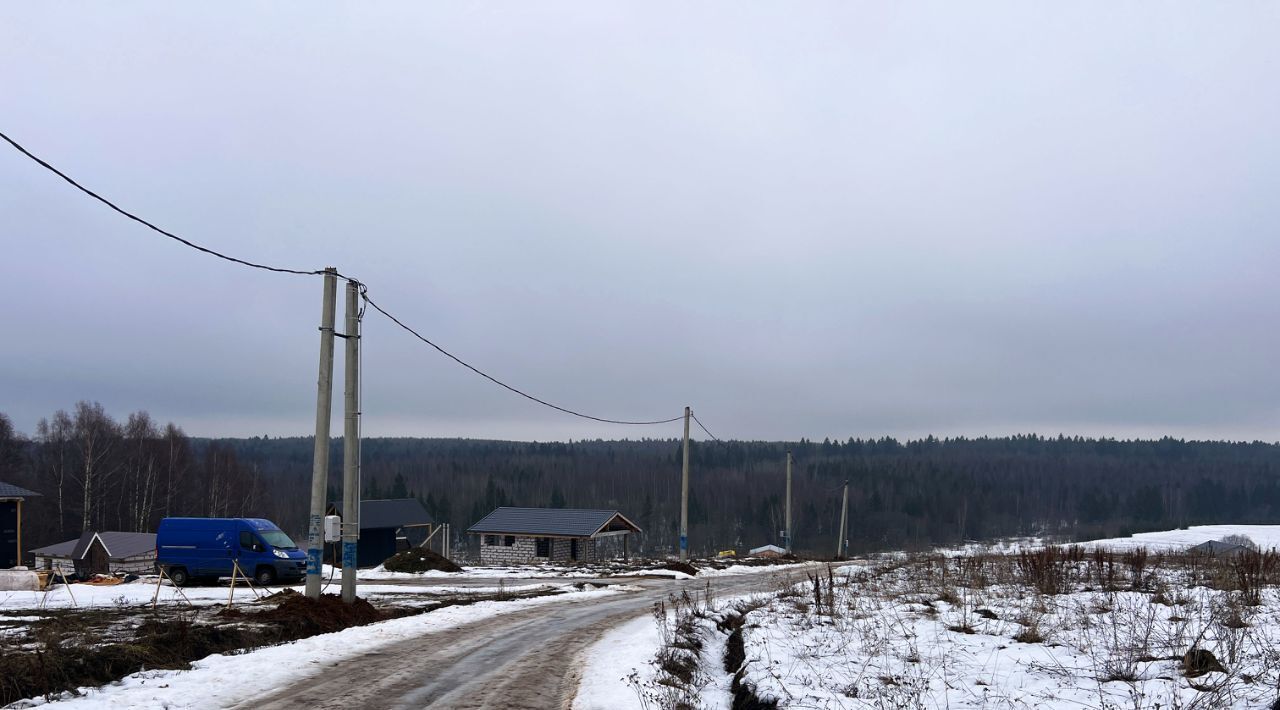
{"points": [[1104, 627], [220, 681], [1266, 537]]}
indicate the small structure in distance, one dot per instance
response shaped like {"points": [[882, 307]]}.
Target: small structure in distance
{"points": [[388, 526], [770, 551], [1218, 548], [101, 552], [523, 535], [11, 498]]}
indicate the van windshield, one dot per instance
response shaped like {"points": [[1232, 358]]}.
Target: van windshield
{"points": [[276, 538]]}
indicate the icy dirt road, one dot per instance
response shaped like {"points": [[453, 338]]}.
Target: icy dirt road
{"points": [[527, 659]]}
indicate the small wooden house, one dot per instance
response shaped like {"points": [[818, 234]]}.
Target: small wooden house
{"points": [[104, 552], [768, 551], [523, 535], [11, 498]]}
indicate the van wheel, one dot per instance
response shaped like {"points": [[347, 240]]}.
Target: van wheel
{"points": [[265, 577], [179, 576]]}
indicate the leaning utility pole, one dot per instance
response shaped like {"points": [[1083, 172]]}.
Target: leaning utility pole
{"points": [[843, 532], [684, 494], [320, 454], [787, 534], [351, 448]]}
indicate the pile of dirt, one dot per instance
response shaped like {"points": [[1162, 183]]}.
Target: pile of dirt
{"points": [[685, 567], [419, 559], [306, 616]]}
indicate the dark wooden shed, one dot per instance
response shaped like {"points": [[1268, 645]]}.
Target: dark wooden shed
{"points": [[388, 526], [11, 498]]}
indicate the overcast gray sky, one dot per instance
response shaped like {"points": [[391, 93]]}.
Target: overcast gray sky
{"points": [[803, 219]]}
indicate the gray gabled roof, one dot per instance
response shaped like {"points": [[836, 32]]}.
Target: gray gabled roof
{"points": [[564, 522], [1218, 547], [392, 513], [119, 545], [61, 549], [8, 490]]}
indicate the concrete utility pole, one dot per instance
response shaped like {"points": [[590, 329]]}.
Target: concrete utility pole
{"points": [[351, 448], [684, 494], [787, 539], [320, 455], [843, 532]]}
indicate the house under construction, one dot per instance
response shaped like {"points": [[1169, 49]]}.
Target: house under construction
{"points": [[523, 535]]}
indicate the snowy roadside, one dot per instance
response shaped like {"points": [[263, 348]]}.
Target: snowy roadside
{"points": [[219, 681], [89, 596], [644, 664]]}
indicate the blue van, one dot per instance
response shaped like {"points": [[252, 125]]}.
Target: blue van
{"points": [[194, 550]]}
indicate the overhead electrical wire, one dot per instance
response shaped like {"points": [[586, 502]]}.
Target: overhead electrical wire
{"points": [[708, 431], [144, 222], [504, 385], [364, 292]]}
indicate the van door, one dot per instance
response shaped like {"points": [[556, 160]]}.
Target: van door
{"points": [[251, 549]]}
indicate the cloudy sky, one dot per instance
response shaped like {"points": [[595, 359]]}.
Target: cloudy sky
{"points": [[817, 219]]}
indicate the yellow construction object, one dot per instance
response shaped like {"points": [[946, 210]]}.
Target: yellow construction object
{"points": [[727, 553]]}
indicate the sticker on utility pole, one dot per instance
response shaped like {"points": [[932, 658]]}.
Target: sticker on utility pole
{"points": [[684, 542], [313, 561], [348, 554]]}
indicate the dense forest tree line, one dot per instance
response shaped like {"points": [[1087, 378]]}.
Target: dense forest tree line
{"points": [[98, 472]]}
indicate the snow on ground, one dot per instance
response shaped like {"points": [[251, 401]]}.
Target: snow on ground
{"points": [[88, 596], [538, 571], [1265, 536], [909, 636], [515, 572], [220, 681], [616, 664], [739, 570]]}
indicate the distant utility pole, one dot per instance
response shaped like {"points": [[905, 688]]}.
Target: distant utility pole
{"points": [[787, 533], [320, 454], [684, 494], [844, 516], [351, 448]]}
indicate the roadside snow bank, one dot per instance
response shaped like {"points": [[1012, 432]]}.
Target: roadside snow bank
{"points": [[221, 681]]}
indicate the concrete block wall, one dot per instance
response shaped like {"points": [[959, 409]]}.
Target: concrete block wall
{"points": [[521, 552], [525, 551]]}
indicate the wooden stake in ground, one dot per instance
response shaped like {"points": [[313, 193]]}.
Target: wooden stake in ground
{"points": [[60, 573], [236, 571], [163, 576]]}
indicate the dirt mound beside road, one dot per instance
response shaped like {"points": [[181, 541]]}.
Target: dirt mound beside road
{"points": [[318, 616], [419, 560], [685, 567]]}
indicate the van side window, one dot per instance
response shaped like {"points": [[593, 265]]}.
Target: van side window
{"points": [[246, 540]]}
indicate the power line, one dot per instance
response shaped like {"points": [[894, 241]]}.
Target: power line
{"points": [[363, 289], [506, 386], [708, 431], [144, 222]]}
